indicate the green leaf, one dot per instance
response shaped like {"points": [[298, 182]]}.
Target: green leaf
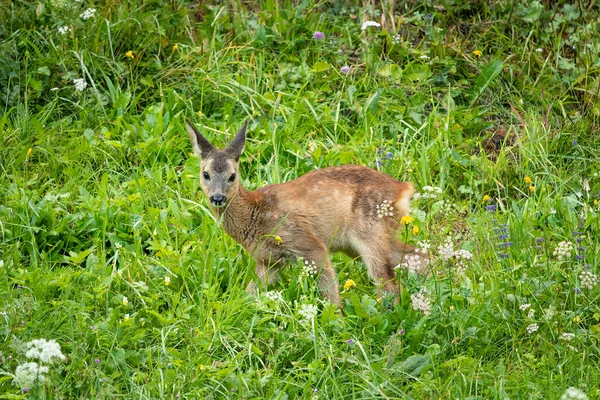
{"points": [[321, 66], [413, 365], [488, 74]]}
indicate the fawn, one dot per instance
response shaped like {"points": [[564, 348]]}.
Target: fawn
{"points": [[347, 208]]}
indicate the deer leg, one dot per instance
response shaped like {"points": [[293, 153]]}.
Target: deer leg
{"points": [[266, 274], [315, 251], [374, 254]]}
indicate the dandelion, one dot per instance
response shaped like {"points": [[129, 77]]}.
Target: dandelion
{"points": [[563, 250], [309, 268], [588, 280], [63, 29], [308, 312], [407, 219], [532, 188], [532, 328], [415, 230], [384, 209], [175, 47], [420, 302], [477, 53], [167, 280], [87, 14], [125, 300], [318, 35], [80, 84], [486, 198], [349, 284], [573, 394], [129, 54], [528, 180], [367, 24]]}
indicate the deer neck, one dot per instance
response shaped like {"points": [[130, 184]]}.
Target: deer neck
{"points": [[240, 216]]}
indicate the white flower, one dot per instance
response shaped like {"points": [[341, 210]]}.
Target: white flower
{"points": [[462, 257], [566, 336], [531, 314], [420, 302], [549, 313], [44, 350], [532, 328], [573, 394], [385, 209], [27, 374], [367, 24], [424, 57], [126, 317], [1, 263], [414, 263], [87, 14], [125, 300], [309, 268], [588, 280], [80, 84], [446, 250], [167, 280], [275, 296], [563, 250], [539, 49], [308, 313], [524, 306], [63, 29]]}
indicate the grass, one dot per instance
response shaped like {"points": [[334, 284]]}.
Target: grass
{"points": [[100, 200]]}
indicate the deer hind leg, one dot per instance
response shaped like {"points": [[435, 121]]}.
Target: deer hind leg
{"points": [[374, 253]]}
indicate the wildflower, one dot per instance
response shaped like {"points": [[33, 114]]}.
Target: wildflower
{"points": [[167, 280], [4, 314], [401, 331], [531, 314], [477, 53], [278, 240], [415, 230], [308, 312], [491, 207], [63, 29], [566, 336], [274, 295], [318, 35], [486, 198], [118, 245], [539, 50], [532, 328], [446, 250], [531, 188], [175, 46], [345, 69], [349, 342], [29, 373], [588, 280], [80, 84], [407, 219], [349, 284], [126, 317], [97, 361], [1, 263], [596, 203], [420, 302], [309, 268], [367, 24], [44, 350], [462, 257], [129, 54], [385, 209], [563, 250], [528, 180], [524, 306], [577, 319], [549, 313], [125, 300], [573, 394], [92, 327], [87, 14]]}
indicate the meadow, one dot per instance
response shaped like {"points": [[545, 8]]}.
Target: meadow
{"points": [[109, 251]]}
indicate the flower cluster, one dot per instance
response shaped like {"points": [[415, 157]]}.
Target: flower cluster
{"points": [[462, 258], [385, 209], [567, 337], [63, 29], [318, 35], [573, 394], [563, 250], [385, 158], [532, 328], [80, 84], [421, 302], [414, 263], [47, 352], [44, 350], [429, 192], [349, 284], [89, 13], [308, 312], [29, 374], [446, 250], [588, 280], [274, 296], [367, 24], [309, 268], [504, 240], [524, 306]]}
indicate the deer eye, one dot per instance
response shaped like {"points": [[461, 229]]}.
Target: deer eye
{"points": [[232, 178], [206, 176]]}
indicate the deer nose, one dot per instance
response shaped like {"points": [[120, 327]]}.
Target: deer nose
{"points": [[218, 200]]}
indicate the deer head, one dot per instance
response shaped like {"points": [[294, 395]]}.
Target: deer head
{"points": [[218, 168]]}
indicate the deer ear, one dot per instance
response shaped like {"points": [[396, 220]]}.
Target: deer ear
{"points": [[202, 147], [236, 146]]}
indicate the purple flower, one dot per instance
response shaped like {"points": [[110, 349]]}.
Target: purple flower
{"points": [[574, 142], [97, 361], [4, 313], [402, 331], [491, 207], [345, 69], [25, 390], [349, 341], [318, 35], [93, 327], [539, 240], [316, 390], [232, 390]]}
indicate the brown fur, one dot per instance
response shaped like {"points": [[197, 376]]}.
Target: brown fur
{"points": [[326, 210]]}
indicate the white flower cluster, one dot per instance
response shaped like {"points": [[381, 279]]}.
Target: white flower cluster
{"points": [[80, 84], [421, 302], [309, 268], [63, 29], [563, 250], [423, 246], [588, 280], [573, 394], [549, 313], [308, 313], [462, 257], [87, 14], [44, 350], [396, 39], [429, 192], [567, 337], [531, 314], [367, 24], [446, 250], [275, 296], [414, 263], [385, 209], [532, 328], [29, 373], [524, 306]]}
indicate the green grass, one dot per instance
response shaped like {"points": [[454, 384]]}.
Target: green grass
{"points": [[100, 199]]}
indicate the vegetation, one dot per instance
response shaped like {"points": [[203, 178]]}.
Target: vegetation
{"points": [[107, 247]]}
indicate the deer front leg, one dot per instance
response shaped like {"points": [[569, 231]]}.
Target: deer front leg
{"points": [[265, 274]]}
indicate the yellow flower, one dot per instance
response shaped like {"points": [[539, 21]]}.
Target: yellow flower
{"points": [[129, 54], [349, 283], [577, 319], [167, 280], [125, 300], [528, 180], [126, 317], [278, 240], [407, 219], [175, 47], [379, 300], [28, 153], [410, 170], [595, 202], [532, 189], [486, 198], [477, 53], [415, 229]]}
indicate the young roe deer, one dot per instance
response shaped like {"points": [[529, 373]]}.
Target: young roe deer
{"points": [[347, 208]]}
